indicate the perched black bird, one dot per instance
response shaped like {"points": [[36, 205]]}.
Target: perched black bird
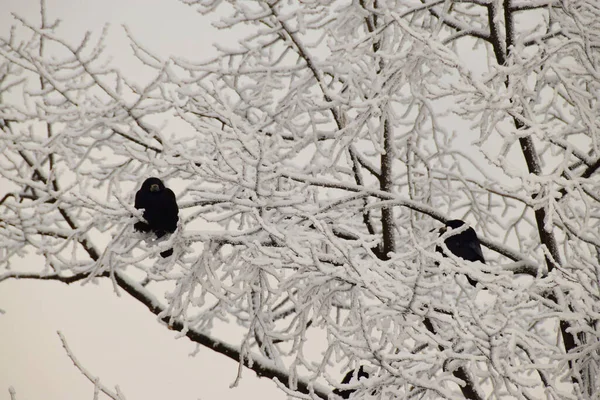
{"points": [[160, 210], [345, 394], [464, 244]]}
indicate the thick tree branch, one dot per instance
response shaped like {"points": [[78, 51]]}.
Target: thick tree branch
{"points": [[468, 388], [388, 223], [530, 154]]}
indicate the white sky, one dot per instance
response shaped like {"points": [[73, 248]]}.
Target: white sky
{"points": [[115, 338]]}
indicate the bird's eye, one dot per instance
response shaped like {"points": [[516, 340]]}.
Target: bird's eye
{"points": [[154, 188]]}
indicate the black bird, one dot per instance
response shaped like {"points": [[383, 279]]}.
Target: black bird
{"points": [[345, 394], [464, 244], [160, 210]]}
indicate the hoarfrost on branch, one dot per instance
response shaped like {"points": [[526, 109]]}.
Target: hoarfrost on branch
{"points": [[313, 162]]}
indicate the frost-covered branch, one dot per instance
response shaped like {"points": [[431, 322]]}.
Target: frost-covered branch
{"points": [[314, 162], [98, 387]]}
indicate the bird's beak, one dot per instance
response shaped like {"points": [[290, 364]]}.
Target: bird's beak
{"points": [[154, 188]]}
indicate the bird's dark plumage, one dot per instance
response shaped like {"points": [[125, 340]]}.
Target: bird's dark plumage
{"points": [[464, 244], [160, 209], [345, 394]]}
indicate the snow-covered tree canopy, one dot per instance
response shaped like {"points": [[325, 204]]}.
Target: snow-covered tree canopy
{"points": [[313, 163]]}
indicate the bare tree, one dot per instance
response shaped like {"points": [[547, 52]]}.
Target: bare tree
{"points": [[319, 157]]}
